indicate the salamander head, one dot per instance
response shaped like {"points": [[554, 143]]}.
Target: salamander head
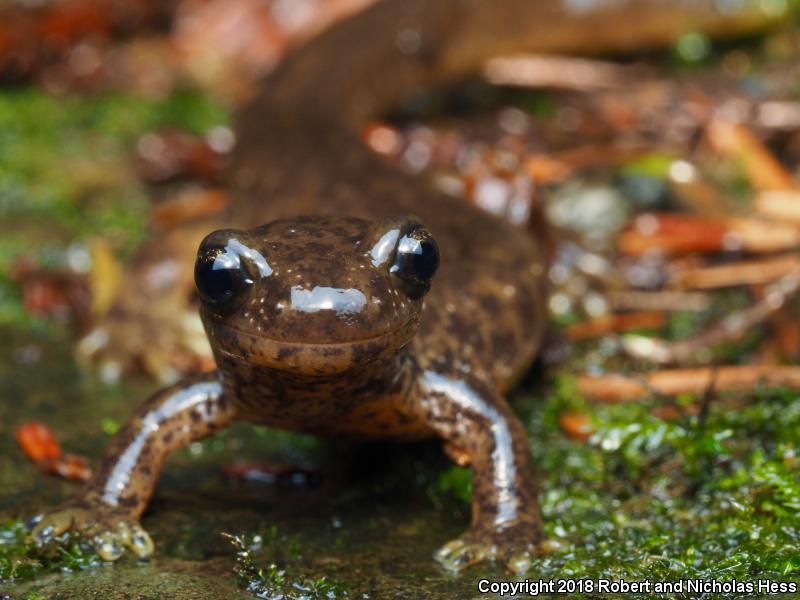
{"points": [[314, 294]]}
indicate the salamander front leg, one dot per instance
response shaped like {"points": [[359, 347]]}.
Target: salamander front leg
{"points": [[475, 419], [109, 510]]}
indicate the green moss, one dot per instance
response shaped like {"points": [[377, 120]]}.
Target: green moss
{"points": [[693, 48], [66, 173], [712, 497], [456, 482], [273, 583], [655, 165], [539, 104], [21, 559]]}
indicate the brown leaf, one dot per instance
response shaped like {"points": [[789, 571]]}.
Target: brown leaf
{"points": [[576, 425], [737, 141]]}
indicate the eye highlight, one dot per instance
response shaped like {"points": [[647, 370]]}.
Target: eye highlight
{"points": [[219, 276], [416, 261]]}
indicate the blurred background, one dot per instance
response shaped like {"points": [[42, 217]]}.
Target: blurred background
{"points": [[664, 412]]}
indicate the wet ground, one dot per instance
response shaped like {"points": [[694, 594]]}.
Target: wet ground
{"points": [[645, 499], [362, 527], [702, 485]]}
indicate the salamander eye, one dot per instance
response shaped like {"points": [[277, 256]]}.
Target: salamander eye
{"points": [[219, 276], [416, 261]]}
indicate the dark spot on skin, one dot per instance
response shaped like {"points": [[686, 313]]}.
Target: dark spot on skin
{"points": [[363, 353], [332, 351], [378, 390], [287, 352]]}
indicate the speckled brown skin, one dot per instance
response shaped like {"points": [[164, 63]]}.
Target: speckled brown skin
{"points": [[386, 363], [365, 374], [109, 510]]}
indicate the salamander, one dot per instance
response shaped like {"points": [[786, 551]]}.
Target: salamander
{"points": [[342, 297]]}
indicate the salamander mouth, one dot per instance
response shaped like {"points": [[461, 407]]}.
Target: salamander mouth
{"points": [[306, 357]]}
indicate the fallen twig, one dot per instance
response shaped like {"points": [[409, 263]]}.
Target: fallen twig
{"points": [[750, 272], [737, 141], [190, 204], [672, 233], [622, 388], [779, 114], [731, 328], [532, 70], [781, 205], [761, 236], [557, 166], [663, 300], [592, 328]]}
